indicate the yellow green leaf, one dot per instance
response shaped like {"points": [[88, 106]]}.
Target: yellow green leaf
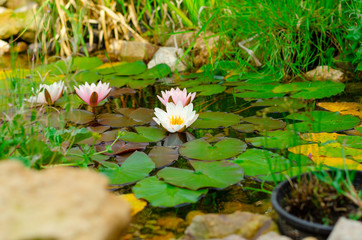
{"points": [[137, 205], [343, 108]]}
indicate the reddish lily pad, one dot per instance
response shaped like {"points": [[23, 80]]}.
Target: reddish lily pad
{"points": [[163, 156], [140, 115], [115, 120], [121, 147], [80, 116]]}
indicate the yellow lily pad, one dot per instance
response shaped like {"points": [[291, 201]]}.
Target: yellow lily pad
{"points": [[320, 137], [343, 108], [137, 205]]}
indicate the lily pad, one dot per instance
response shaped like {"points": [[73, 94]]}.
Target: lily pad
{"points": [[276, 139], [140, 115], [261, 124], [310, 90], [79, 116], [158, 71], [121, 147], [136, 167], [280, 104], [220, 174], [115, 120], [202, 150], [163, 156], [85, 63], [352, 108], [216, 120], [258, 90], [123, 68], [261, 162], [144, 134], [350, 141], [74, 155], [162, 194], [207, 90], [321, 121]]}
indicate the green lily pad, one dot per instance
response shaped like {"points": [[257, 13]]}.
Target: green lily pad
{"points": [[124, 69], [257, 95], [260, 124], [202, 150], [207, 90], [321, 121], [74, 155], [136, 167], [85, 63], [258, 90], [158, 71], [163, 156], [280, 104], [120, 81], [88, 76], [350, 141], [162, 194], [144, 134], [216, 120], [115, 120], [261, 162], [276, 139], [220, 174], [311, 90]]}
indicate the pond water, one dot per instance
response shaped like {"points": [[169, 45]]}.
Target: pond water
{"points": [[253, 131]]}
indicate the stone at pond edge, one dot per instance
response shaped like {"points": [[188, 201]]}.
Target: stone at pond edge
{"points": [[58, 203], [4, 47], [244, 224], [324, 73], [346, 229], [169, 55], [273, 236], [132, 50]]}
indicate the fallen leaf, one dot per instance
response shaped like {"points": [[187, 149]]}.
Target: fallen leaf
{"points": [[137, 205]]}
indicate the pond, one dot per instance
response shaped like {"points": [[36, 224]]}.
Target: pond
{"points": [[253, 130]]}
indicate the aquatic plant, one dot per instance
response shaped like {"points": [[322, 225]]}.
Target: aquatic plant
{"points": [[47, 94], [177, 96], [176, 118], [93, 94]]}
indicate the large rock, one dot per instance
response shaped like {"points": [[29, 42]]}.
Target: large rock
{"points": [[169, 55], [4, 47], [58, 203], [217, 226], [132, 50], [14, 4], [14, 22], [323, 73], [346, 229]]}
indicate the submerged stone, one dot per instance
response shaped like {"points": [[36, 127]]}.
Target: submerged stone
{"points": [[58, 203]]}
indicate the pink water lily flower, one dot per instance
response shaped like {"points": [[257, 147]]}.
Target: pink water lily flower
{"points": [[47, 94], [93, 94], [176, 118], [177, 96]]}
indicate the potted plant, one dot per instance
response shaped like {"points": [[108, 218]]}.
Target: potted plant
{"points": [[311, 203]]}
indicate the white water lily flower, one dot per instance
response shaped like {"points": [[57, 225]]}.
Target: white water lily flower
{"points": [[176, 118], [47, 94]]}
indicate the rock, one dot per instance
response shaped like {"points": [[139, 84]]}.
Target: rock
{"points": [[14, 4], [132, 50], [4, 47], [13, 23], [2, 9], [2, 2], [170, 56], [172, 223], [273, 236], [216, 226], [180, 40], [206, 44], [58, 203], [20, 47], [190, 215], [323, 73], [346, 229]]}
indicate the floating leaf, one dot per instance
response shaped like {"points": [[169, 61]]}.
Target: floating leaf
{"points": [[202, 150], [137, 205], [158, 71], [257, 95], [163, 156], [207, 90], [144, 134], [115, 120], [218, 174], [120, 81], [310, 90], [161, 194], [276, 139], [280, 104], [320, 137], [79, 116], [88, 76], [216, 120], [261, 162], [140, 115], [136, 167], [261, 124], [123, 68], [85, 63], [121, 147], [320, 121], [247, 90], [74, 155], [69, 101], [350, 141], [343, 108]]}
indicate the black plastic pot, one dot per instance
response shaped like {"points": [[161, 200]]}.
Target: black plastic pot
{"points": [[293, 226]]}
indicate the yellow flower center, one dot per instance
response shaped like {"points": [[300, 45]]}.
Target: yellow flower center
{"points": [[176, 120]]}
